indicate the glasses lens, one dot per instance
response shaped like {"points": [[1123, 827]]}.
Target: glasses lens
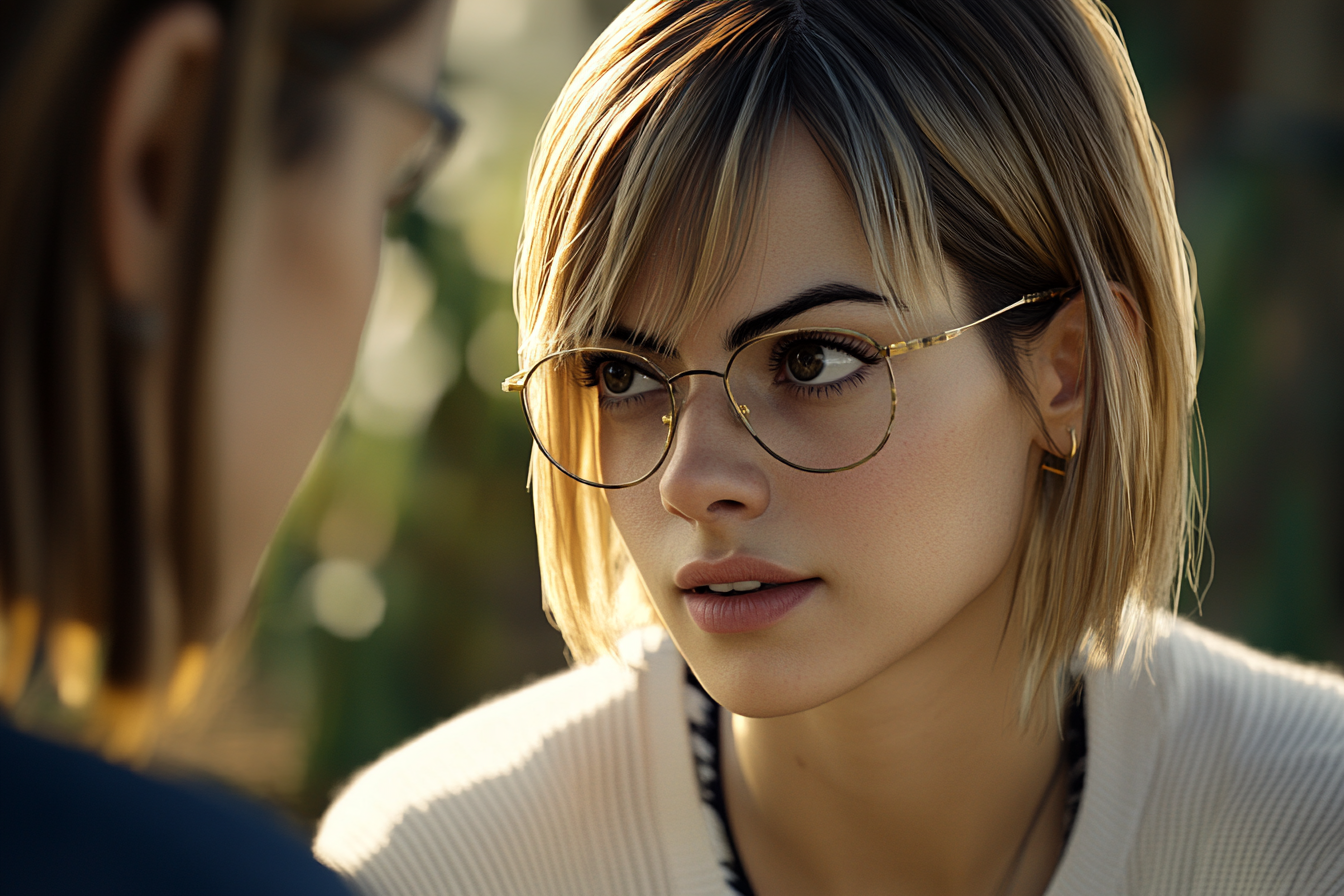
{"points": [[602, 416], [818, 399]]}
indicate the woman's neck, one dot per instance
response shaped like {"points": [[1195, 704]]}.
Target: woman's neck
{"points": [[921, 780]]}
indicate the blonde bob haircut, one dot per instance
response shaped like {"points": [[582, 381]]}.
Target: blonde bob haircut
{"points": [[1003, 140]]}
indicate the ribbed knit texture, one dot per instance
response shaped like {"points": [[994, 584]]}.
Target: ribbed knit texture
{"points": [[1218, 772]]}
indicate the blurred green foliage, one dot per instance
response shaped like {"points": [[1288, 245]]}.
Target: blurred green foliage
{"points": [[1250, 97]]}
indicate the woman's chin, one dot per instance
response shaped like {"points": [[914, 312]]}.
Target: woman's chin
{"points": [[764, 681], [804, 663]]}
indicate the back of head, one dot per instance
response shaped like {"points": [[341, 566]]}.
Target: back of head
{"points": [[115, 574]]}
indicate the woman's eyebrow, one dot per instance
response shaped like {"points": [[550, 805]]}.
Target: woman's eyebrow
{"points": [[641, 341], [826, 294]]}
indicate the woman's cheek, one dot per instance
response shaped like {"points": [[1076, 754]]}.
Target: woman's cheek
{"points": [[942, 503], [290, 316], [643, 524]]}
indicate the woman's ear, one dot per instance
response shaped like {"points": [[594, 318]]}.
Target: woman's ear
{"points": [[1059, 362], [151, 135]]}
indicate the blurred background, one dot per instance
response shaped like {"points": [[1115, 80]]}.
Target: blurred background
{"points": [[404, 586]]}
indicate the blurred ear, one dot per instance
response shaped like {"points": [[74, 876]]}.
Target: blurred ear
{"points": [[150, 142], [1059, 360]]}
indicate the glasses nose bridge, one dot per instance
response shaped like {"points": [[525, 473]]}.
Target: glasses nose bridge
{"points": [[721, 374], [723, 379]]}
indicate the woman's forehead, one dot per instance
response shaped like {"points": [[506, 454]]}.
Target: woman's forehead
{"points": [[742, 231], [805, 232]]}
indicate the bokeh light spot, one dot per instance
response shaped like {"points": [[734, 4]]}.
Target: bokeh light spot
{"points": [[347, 599]]}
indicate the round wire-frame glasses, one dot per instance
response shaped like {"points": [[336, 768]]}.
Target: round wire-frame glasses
{"points": [[519, 382]]}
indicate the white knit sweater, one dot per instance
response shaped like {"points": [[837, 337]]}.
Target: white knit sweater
{"points": [[1220, 773]]}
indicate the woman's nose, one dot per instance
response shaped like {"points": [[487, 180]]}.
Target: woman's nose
{"points": [[714, 469]]}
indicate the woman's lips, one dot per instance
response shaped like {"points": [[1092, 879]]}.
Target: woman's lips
{"points": [[730, 614], [737, 568]]}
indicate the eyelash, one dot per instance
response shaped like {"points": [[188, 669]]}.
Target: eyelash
{"points": [[852, 347], [594, 364]]}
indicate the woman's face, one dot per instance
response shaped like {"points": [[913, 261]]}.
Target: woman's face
{"points": [[300, 265], [891, 559]]}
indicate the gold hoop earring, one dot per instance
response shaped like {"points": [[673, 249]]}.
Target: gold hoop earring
{"points": [[1055, 464]]}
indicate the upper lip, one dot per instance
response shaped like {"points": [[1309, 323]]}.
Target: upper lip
{"points": [[699, 573]]}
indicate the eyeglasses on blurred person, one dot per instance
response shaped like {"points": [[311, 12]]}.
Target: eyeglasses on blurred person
{"points": [[191, 208]]}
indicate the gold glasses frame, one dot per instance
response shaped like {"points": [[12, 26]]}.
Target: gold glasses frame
{"points": [[518, 383]]}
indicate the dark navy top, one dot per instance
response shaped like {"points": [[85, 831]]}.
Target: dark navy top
{"points": [[71, 823]]}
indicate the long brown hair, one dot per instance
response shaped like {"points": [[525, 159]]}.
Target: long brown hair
{"points": [[81, 546]]}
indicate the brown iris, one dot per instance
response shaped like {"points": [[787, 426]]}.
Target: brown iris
{"points": [[805, 362], [617, 377]]}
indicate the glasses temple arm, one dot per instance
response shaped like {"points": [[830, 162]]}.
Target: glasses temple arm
{"points": [[334, 57], [901, 348]]}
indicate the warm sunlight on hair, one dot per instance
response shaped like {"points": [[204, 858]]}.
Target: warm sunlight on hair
{"points": [[1018, 168]]}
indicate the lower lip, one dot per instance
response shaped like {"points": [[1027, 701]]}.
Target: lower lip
{"points": [[732, 614]]}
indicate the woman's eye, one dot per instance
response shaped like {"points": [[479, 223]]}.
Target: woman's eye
{"points": [[624, 379], [816, 364]]}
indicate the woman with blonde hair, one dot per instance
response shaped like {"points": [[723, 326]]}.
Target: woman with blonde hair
{"points": [[191, 206], [859, 342]]}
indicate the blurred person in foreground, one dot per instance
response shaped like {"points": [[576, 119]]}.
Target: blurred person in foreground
{"points": [[191, 206], [859, 340]]}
